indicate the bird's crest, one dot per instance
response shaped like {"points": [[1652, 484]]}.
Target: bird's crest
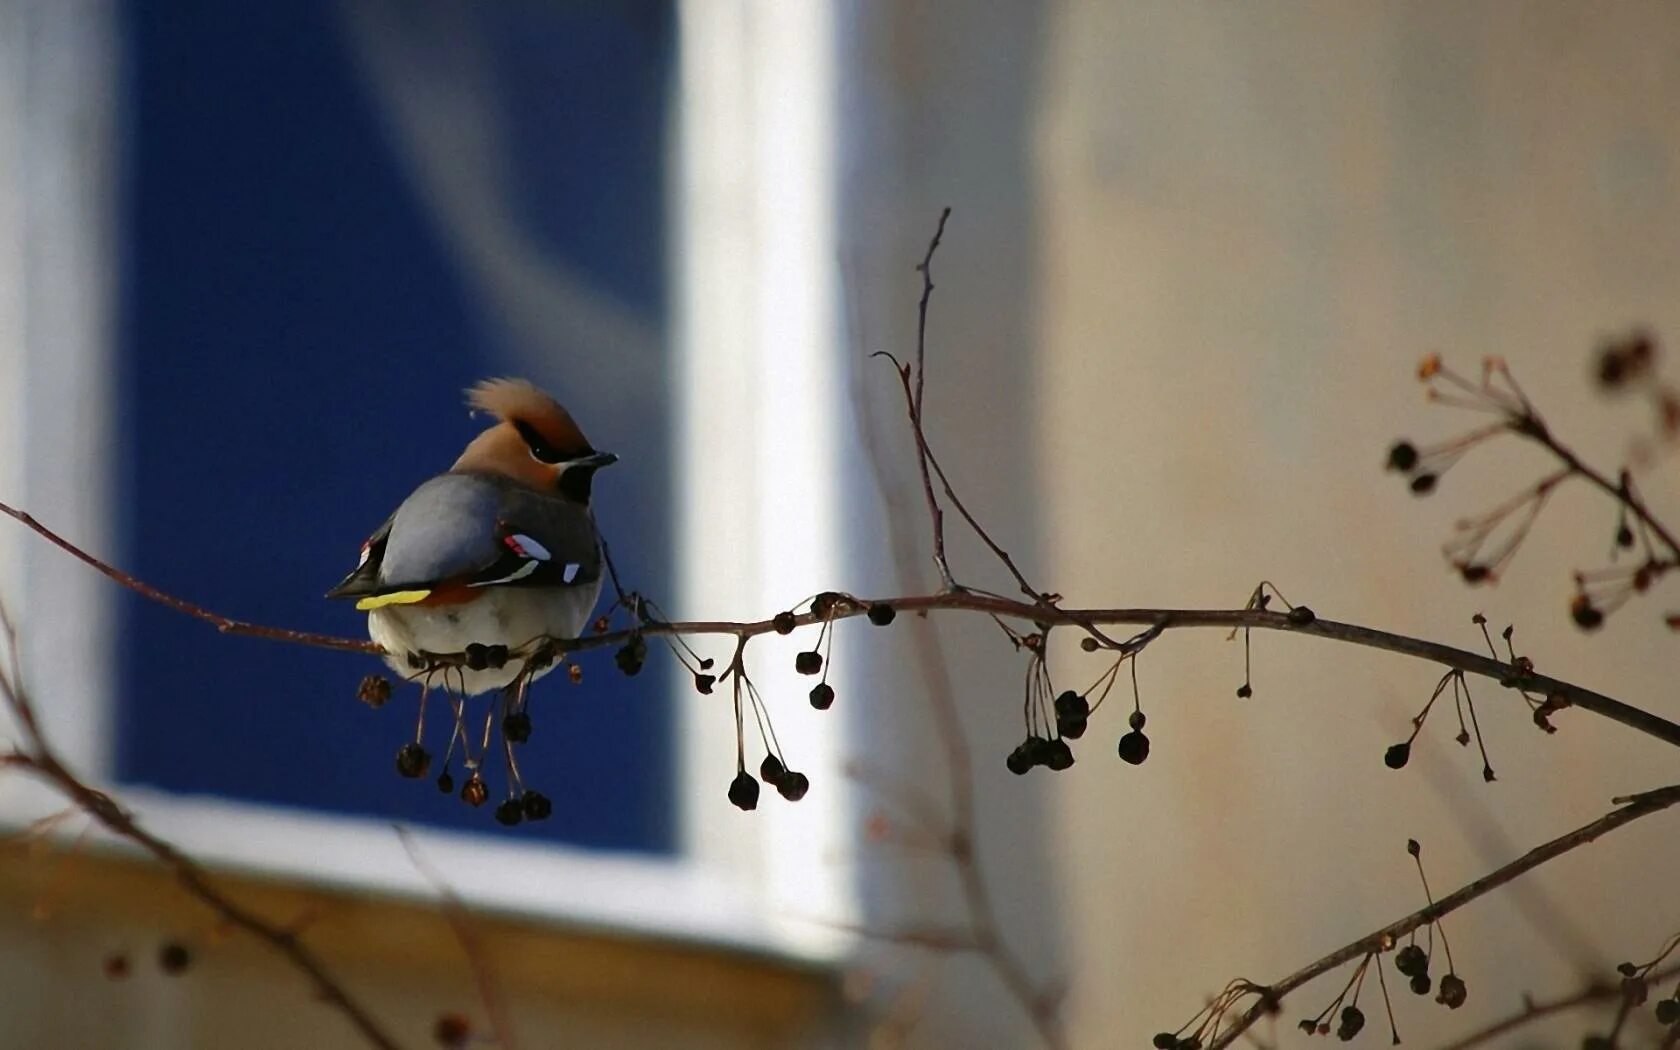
{"points": [[526, 407]]}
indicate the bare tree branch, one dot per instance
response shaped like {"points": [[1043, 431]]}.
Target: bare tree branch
{"points": [[38, 757]]}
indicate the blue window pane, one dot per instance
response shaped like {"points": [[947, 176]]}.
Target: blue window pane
{"points": [[297, 330]]}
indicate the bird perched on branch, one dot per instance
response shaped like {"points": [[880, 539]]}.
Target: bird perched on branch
{"points": [[486, 561]]}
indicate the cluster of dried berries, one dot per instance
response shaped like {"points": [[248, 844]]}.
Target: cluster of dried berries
{"points": [[1636, 985], [1399, 754], [413, 761]]}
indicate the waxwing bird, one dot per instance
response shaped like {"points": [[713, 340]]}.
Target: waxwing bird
{"points": [[500, 552]]}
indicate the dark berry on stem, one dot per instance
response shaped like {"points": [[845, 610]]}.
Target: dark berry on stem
{"points": [[1411, 961], [1072, 728], [1038, 750], [1244, 691], [784, 623], [771, 769], [445, 782], [1402, 456], [1353, 1019], [1134, 747], [793, 786], [412, 760], [1421, 984], [1071, 705], [1300, 616], [1057, 755], [1452, 991], [477, 657], [1586, 615], [743, 791], [1624, 537], [510, 812], [703, 682], [1398, 755], [536, 805], [1136, 720], [1165, 1041], [1668, 1011], [1423, 484], [173, 958], [881, 614], [1019, 761], [822, 696], [808, 662], [517, 727]]}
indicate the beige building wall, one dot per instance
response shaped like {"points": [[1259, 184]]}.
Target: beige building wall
{"points": [[1253, 220]]}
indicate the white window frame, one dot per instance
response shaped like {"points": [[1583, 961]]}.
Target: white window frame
{"points": [[759, 399]]}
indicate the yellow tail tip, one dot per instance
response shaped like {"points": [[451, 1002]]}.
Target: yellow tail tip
{"points": [[379, 601]]}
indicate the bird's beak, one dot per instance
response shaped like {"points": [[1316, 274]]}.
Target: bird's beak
{"points": [[595, 461]]}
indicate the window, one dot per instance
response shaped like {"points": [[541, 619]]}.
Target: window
{"points": [[299, 316], [331, 218]]}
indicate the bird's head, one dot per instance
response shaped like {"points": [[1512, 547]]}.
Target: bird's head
{"points": [[534, 440]]}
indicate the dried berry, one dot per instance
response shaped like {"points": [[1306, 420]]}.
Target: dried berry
{"points": [[1057, 755], [374, 690], [1353, 1019], [822, 696], [1398, 755], [413, 761], [1134, 747], [1452, 991], [1423, 484], [517, 727], [452, 1031], [703, 682], [1038, 750], [631, 657], [808, 662], [473, 792], [1624, 536], [445, 782], [536, 805], [743, 791], [476, 657], [1474, 574], [793, 786], [1411, 960], [1586, 615], [1421, 984], [509, 812], [1019, 760], [1071, 705], [1136, 720], [1244, 691], [771, 769], [1072, 728], [1165, 1041], [880, 614], [1668, 1011], [1300, 616], [1402, 456], [173, 958], [784, 623]]}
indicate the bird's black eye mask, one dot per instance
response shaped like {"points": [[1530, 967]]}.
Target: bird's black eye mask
{"points": [[541, 450]]}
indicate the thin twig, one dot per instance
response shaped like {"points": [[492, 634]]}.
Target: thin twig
{"points": [[1630, 809], [225, 624], [478, 960], [39, 758]]}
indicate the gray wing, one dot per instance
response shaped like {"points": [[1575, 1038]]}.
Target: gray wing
{"points": [[482, 530]]}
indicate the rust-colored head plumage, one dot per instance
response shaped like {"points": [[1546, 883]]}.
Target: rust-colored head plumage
{"points": [[534, 441], [522, 404]]}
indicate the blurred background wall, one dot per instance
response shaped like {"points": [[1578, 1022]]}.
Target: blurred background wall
{"points": [[1196, 253]]}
